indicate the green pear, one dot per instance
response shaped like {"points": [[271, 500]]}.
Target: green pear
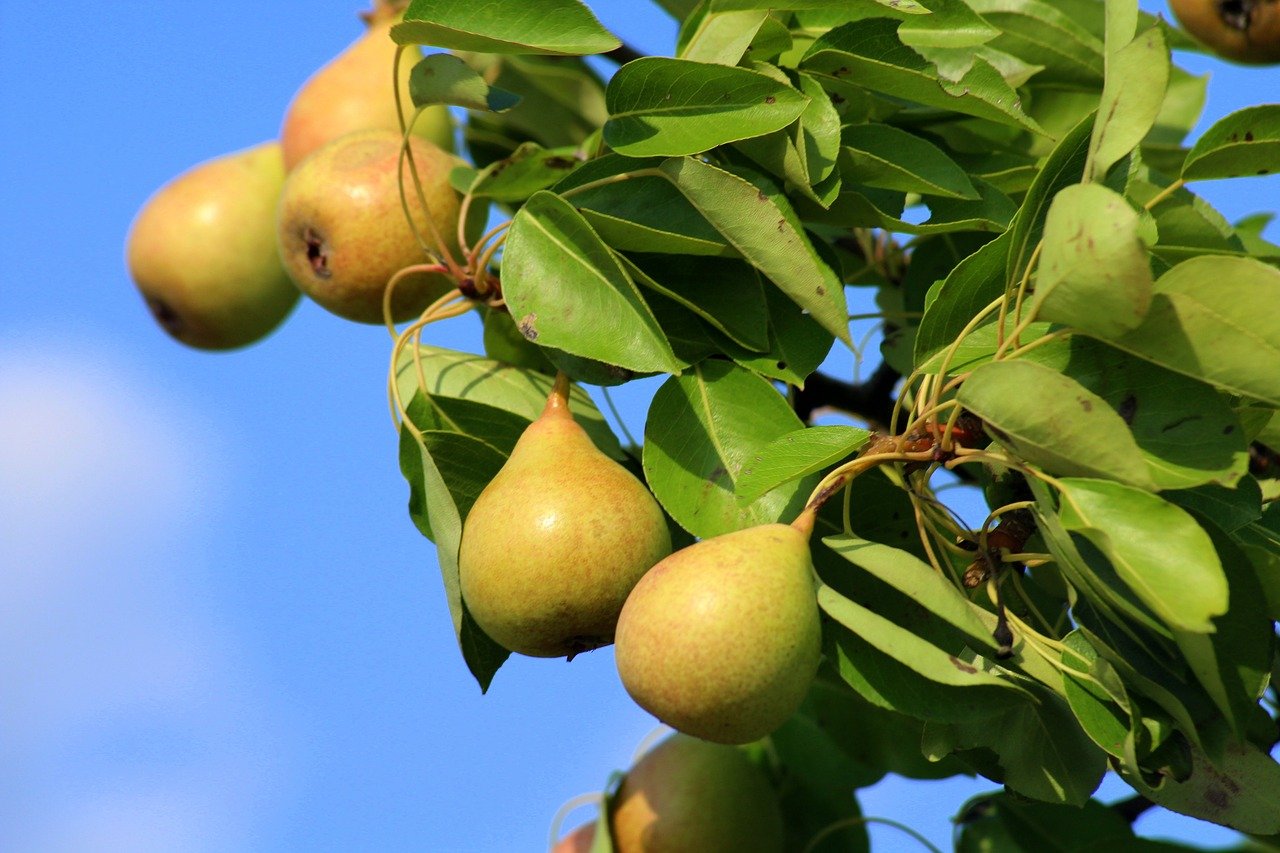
{"points": [[353, 92], [557, 539], [687, 794], [202, 251], [343, 232], [722, 639]]}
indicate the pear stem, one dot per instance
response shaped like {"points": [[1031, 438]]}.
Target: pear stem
{"points": [[558, 400]]}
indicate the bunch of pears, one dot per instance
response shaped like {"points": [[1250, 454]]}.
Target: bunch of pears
{"points": [[687, 795], [566, 550], [222, 253]]}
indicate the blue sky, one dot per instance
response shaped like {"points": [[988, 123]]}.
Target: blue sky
{"points": [[218, 628]]}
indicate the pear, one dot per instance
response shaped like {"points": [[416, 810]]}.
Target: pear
{"points": [[722, 639], [202, 251], [343, 232], [353, 92], [580, 840], [557, 539], [687, 794]]}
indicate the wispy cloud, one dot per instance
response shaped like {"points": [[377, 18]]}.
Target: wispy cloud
{"points": [[127, 721]]}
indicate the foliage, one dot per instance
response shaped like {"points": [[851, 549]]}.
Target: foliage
{"points": [[1079, 335]]}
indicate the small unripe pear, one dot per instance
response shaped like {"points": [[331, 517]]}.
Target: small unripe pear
{"points": [[343, 232], [557, 539], [690, 795], [722, 639], [353, 92], [202, 251]]}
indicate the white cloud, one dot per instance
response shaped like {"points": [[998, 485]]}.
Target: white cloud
{"points": [[126, 720]]}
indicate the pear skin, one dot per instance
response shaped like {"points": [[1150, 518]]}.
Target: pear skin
{"points": [[202, 251], [555, 542], [343, 232], [687, 794], [580, 840], [353, 92], [722, 639]]}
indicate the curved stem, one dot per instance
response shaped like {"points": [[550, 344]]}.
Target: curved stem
{"points": [[395, 279], [831, 829], [441, 248]]}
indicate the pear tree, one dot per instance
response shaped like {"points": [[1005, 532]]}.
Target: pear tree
{"points": [[1034, 539]]}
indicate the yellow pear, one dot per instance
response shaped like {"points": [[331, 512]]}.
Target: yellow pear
{"points": [[343, 232], [1245, 31], [722, 639], [202, 251], [556, 541], [353, 92], [690, 795]]}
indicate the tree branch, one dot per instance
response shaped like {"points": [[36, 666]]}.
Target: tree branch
{"points": [[872, 400], [1132, 808]]}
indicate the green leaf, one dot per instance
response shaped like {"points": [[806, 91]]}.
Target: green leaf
{"points": [[1102, 714], [720, 37], [703, 428], [1233, 664], [1051, 420], [1156, 548], [556, 27], [528, 169], [1062, 169], [561, 104], [979, 346], [1230, 509], [461, 375], [970, 287], [726, 293], [1094, 273], [1187, 432], [566, 290], [1211, 319], [877, 739], [819, 776], [919, 581], [496, 427], [1043, 34], [766, 232], [443, 78], [1044, 827], [1040, 749], [948, 25], [446, 472], [797, 344], [1238, 790], [661, 106], [869, 54], [797, 454], [642, 211], [1137, 76], [1247, 142], [882, 156], [920, 657]]}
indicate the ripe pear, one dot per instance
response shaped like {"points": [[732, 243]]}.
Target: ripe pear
{"points": [[557, 539], [578, 841], [722, 639], [687, 794], [202, 251], [353, 92], [1246, 31], [343, 232]]}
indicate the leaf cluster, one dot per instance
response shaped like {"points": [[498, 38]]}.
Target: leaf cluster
{"points": [[1010, 178]]}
